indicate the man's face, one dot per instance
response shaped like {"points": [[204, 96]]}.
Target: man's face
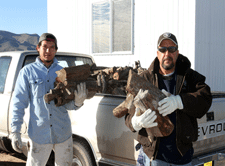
{"points": [[167, 59], [47, 52]]}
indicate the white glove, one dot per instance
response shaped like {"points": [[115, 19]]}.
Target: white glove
{"points": [[16, 142], [169, 104], [146, 120], [80, 94]]}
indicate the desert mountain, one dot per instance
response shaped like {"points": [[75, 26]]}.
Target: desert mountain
{"points": [[17, 42]]}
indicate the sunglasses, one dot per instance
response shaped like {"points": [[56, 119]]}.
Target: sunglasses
{"points": [[171, 49]]}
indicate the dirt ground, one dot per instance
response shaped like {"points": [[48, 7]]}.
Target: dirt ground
{"points": [[12, 159]]}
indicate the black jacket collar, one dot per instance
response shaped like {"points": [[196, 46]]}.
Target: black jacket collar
{"points": [[182, 66]]}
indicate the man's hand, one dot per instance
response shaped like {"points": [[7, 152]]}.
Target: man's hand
{"points": [[16, 142], [146, 120], [169, 104], [80, 94]]}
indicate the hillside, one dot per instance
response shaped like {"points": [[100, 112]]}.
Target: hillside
{"points": [[17, 42]]}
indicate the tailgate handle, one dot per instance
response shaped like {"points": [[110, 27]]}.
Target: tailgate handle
{"points": [[210, 116]]}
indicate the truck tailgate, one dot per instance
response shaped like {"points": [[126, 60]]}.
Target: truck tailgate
{"points": [[211, 131]]}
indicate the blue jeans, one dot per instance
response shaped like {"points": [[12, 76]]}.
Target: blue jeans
{"points": [[143, 160]]}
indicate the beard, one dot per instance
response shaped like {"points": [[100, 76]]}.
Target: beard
{"points": [[48, 61], [168, 67], [43, 60]]}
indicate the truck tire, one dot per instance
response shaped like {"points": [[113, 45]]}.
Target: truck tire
{"points": [[82, 154]]}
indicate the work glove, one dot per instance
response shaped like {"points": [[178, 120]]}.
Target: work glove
{"points": [[169, 104], [146, 120], [80, 94], [16, 142]]}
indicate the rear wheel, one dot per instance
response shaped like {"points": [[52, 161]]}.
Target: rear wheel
{"points": [[82, 154]]}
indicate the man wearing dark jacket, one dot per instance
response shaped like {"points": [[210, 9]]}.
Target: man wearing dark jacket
{"points": [[188, 98]]}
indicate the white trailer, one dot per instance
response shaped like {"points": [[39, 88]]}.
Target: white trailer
{"points": [[85, 26]]}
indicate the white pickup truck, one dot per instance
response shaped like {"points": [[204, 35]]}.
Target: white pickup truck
{"points": [[99, 137]]}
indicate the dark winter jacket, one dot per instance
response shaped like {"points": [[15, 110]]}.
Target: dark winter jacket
{"points": [[196, 98]]}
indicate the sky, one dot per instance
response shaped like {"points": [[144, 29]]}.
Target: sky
{"points": [[23, 16]]}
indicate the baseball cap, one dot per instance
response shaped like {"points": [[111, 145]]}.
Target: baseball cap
{"points": [[48, 37], [169, 36]]}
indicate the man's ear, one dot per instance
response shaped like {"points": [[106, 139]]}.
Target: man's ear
{"points": [[158, 52], [178, 53], [37, 47]]}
